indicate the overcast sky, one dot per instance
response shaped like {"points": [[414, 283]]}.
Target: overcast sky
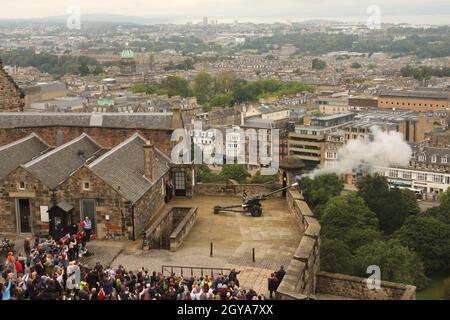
{"points": [[225, 9]]}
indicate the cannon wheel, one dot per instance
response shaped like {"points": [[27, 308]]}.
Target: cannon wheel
{"points": [[256, 211]]}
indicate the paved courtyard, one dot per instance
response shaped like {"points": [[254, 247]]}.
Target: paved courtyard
{"points": [[274, 236]]}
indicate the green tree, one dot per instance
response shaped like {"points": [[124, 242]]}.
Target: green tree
{"points": [[319, 190], [397, 263], [355, 65], [83, 70], [176, 86], [205, 175], [203, 87], [258, 178], [429, 237], [318, 64], [234, 171], [443, 211], [223, 83], [98, 70], [410, 205], [222, 100], [347, 218], [391, 206], [335, 256]]}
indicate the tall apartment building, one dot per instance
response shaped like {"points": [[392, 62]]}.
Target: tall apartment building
{"points": [[414, 126], [308, 140]]}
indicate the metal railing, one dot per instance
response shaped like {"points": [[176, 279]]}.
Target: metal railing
{"points": [[185, 270]]}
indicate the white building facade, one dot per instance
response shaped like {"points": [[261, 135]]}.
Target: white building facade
{"points": [[428, 181]]}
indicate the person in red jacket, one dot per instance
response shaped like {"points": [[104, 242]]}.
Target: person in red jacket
{"points": [[18, 266]]}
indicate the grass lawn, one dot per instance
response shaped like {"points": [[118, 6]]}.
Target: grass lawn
{"points": [[435, 290]]}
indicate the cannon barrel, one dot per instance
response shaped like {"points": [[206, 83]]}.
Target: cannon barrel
{"points": [[265, 196]]}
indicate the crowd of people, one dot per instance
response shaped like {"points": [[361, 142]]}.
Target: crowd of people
{"points": [[52, 270]]}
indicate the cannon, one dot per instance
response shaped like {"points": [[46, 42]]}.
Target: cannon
{"points": [[251, 205]]}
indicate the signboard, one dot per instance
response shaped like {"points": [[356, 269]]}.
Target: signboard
{"points": [[44, 214]]}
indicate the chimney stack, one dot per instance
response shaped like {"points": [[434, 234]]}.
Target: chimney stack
{"points": [[149, 161], [177, 121]]}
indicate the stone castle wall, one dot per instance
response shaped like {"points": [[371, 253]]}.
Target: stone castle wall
{"points": [[106, 137], [356, 288], [300, 280], [233, 190]]}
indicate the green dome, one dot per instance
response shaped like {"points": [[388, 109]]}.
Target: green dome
{"points": [[127, 54]]}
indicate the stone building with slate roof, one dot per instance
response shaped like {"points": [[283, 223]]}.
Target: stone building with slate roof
{"points": [[26, 191], [126, 187], [119, 189], [19, 152]]}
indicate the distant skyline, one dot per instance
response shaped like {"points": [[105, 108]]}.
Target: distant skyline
{"points": [[401, 11]]}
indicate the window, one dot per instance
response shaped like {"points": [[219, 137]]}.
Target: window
{"points": [[422, 176], [422, 157], [407, 175], [86, 185], [444, 160], [438, 178], [331, 155], [434, 159], [21, 185], [393, 173]]}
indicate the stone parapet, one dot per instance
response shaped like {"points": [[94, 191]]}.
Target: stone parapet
{"points": [[300, 279], [356, 288], [232, 189], [183, 229]]}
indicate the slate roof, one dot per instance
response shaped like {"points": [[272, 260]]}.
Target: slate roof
{"points": [[10, 120], [440, 95], [123, 166], [442, 154], [57, 165], [20, 152], [259, 123]]}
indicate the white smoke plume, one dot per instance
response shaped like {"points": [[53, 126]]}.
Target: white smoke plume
{"points": [[386, 149]]}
